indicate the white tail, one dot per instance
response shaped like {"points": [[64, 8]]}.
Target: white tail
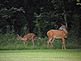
{"points": [[25, 38], [52, 34]]}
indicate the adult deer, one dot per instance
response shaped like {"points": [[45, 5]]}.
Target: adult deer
{"points": [[25, 38], [53, 34]]}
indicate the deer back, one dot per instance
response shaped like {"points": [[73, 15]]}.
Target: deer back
{"points": [[56, 33], [29, 36]]}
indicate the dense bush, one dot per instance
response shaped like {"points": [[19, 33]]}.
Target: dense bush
{"points": [[9, 41]]}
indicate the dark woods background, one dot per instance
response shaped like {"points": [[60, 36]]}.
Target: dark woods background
{"points": [[39, 16]]}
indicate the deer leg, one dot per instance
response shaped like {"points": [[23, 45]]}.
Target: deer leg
{"points": [[52, 42], [63, 43], [33, 43], [24, 42], [49, 41]]}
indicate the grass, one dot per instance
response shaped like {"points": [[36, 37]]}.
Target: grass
{"points": [[12, 49], [41, 55]]}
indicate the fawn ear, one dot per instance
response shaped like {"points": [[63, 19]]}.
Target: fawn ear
{"points": [[17, 35]]}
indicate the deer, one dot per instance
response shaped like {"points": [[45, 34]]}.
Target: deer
{"points": [[56, 34], [25, 38]]}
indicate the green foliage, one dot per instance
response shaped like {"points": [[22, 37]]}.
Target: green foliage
{"points": [[73, 39], [9, 41], [11, 19], [39, 17], [40, 24]]}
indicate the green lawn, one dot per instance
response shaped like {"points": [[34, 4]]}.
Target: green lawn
{"points": [[41, 55]]}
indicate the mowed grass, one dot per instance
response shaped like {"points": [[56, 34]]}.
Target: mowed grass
{"points": [[41, 55]]}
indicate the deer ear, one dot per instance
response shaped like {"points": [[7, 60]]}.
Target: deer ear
{"points": [[17, 34]]}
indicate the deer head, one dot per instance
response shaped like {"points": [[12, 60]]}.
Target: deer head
{"points": [[19, 37]]}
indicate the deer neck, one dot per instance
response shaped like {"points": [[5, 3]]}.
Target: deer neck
{"points": [[22, 38], [19, 37], [65, 31]]}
